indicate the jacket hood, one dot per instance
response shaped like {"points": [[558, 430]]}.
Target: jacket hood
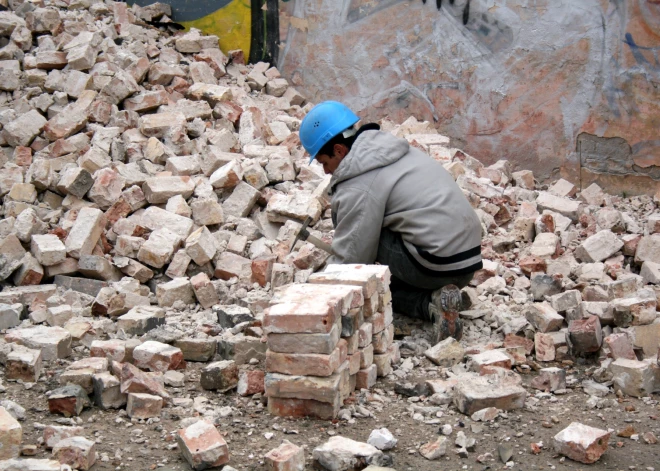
{"points": [[371, 150]]}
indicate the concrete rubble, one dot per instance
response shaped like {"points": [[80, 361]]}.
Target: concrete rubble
{"points": [[152, 186]]}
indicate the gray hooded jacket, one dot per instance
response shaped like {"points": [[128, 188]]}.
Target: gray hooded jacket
{"points": [[383, 182]]}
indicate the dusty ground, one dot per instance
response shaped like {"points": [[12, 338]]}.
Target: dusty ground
{"points": [[122, 445]]}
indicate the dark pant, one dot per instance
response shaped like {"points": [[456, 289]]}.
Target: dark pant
{"points": [[412, 296]]}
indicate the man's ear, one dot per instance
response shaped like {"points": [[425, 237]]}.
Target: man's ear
{"points": [[340, 150]]}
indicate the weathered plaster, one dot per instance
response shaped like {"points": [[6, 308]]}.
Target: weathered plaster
{"points": [[521, 79]]}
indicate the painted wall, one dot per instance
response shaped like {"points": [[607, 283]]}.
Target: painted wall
{"points": [[563, 87], [250, 25], [539, 82]]}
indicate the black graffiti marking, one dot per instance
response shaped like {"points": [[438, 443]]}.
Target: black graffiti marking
{"points": [[466, 10], [184, 10], [475, 18]]}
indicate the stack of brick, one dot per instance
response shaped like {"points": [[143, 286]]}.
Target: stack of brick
{"points": [[321, 340], [376, 334]]}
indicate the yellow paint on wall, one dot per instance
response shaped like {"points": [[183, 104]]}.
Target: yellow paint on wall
{"points": [[232, 24]]}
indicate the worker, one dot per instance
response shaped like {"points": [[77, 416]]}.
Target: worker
{"points": [[394, 205]]}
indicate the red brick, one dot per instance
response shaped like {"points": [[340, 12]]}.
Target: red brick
{"points": [[157, 356], [531, 264], [23, 156], [202, 445], [250, 382], [286, 457], [305, 364], [77, 452], [620, 346], [382, 319], [114, 350], [262, 269], [545, 347], [512, 341], [299, 408], [366, 378], [309, 317], [585, 335], [143, 406]]}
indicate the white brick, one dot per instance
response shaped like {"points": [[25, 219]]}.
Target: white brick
{"points": [[85, 232], [48, 249], [200, 246]]}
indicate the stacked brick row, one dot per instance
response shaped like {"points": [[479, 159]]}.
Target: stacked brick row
{"points": [[376, 334], [327, 338]]}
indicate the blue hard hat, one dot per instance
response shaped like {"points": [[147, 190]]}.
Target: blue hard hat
{"points": [[325, 121]]}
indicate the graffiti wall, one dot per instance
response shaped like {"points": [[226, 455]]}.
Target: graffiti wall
{"points": [[563, 87]]}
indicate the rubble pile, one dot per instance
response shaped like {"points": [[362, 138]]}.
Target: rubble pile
{"points": [[130, 152], [152, 190], [327, 338]]}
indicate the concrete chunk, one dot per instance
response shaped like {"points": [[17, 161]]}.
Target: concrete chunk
{"points": [[344, 454], [634, 378]]}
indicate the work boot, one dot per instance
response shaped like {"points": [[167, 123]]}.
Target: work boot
{"points": [[444, 307]]}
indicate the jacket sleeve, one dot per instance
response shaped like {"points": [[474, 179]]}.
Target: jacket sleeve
{"points": [[359, 220]]}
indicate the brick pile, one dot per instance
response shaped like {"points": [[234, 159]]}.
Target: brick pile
{"points": [[152, 186], [327, 338], [127, 151]]}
